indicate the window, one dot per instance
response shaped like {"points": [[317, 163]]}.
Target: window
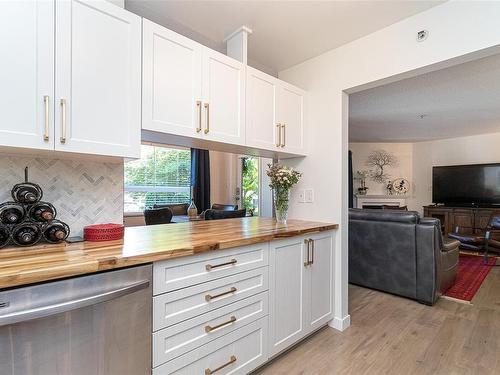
{"points": [[250, 183], [161, 176]]}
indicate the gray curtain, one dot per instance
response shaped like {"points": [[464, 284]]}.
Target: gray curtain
{"points": [[200, 178]]}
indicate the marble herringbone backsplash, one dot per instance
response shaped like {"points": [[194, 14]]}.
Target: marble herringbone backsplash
{"points": [[83, 192]]}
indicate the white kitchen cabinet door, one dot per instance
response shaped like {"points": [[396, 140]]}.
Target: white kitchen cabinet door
{"points": [[171, 82], [320, 286], [223, 91], [27, 74], [261, 126], [290, 112], [287, 293], [98, 79]]}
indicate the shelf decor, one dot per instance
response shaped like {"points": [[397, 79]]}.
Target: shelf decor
{"points": [[282, 179]]}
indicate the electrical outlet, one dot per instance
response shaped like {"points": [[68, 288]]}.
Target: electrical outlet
{"points": [[309, 195], [302, 196]]}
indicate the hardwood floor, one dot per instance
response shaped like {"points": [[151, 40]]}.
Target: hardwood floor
{"points": [[392, 335]]}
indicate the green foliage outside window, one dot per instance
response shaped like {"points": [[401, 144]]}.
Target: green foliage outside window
{"points": [[250, 183]]}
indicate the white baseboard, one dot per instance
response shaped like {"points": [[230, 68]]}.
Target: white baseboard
{"points": [[340, 324]]}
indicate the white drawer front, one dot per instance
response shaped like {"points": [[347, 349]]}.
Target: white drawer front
{"points": [[180, 273], [174, 307], [173, 341], [243, 350]]}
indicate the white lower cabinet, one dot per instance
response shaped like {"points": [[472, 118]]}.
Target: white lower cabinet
{"points": [[238, 352], [300, 288], [287, 293], [257, 301], [178, 339]]}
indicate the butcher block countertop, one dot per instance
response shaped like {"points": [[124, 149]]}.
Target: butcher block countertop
{"points": [[21, 266]]}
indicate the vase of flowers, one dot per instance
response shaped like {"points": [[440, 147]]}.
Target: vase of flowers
{"points": [[282, 179]]}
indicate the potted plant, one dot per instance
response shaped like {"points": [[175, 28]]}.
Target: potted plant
{"points": [[282, 179]]}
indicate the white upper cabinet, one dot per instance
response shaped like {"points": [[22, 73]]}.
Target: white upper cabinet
{"points": [[261, 126], [171, 96], [27, 74], [98, 79], [275, 114], [223, 92], [290, 114]]}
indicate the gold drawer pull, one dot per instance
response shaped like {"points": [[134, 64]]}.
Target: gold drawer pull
{"points": [[208, 297], [46, 118], [231, 360], [209, 267], [210, 329]]}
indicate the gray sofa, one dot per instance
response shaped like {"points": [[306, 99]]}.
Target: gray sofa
{"points": [[400, 253]]}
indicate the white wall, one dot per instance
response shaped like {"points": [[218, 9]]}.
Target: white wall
{"points": [[457, 30]]}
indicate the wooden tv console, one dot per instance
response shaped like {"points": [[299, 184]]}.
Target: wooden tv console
{"points": [[469, 219]]}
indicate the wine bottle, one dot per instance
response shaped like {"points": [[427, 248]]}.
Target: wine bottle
{"points": [[56, 231], [26, 234], [11, 213], [26, 193], [42, 212], [192, 209], [4, 236]]}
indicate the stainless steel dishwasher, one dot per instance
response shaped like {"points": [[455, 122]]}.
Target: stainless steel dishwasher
{"points": [[97, 324]]}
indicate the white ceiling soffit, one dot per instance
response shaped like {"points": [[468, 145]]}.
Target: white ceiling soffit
{"points": [[459, 101], [285, 33]]}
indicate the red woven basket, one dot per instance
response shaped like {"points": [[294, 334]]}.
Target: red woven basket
{"points": [[103, 232]]}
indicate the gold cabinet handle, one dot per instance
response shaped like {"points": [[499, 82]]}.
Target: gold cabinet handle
{"points": [[312, 251], [207, 107], [209, 297], [306, 241], [198, 106], [210, 372], [278, 128], [63, 121], [283, 127], [210, 267], [209, 329], [46, 118]]}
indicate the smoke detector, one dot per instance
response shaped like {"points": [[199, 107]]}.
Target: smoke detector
{"points": [[422, 35]]}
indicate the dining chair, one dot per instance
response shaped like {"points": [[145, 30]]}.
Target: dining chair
{"points": [[221, 214], [154, 216], [177, 209]]}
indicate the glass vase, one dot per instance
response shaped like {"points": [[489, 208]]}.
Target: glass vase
{"points": [[281, 200]]}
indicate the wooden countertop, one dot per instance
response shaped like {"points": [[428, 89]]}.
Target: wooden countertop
{"points": [[20, 266]]}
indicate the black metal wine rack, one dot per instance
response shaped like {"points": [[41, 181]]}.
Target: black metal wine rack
{"points": [[27, 197]]}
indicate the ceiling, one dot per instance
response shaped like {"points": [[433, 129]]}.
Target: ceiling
{"points": [[285, 33], [453, 102]]}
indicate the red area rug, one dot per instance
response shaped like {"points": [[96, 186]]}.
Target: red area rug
{"points": [[471, 274]]}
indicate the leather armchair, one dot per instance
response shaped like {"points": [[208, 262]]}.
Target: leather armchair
{"points": [[400, 253]]}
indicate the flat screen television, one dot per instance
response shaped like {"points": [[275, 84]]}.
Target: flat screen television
{"points": [[466, 185]]}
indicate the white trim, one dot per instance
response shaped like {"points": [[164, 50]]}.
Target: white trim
{"points": [[340, 324]]}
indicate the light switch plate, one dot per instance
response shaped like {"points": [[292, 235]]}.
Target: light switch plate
{"points": [[302, 196], [309, 195]]}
